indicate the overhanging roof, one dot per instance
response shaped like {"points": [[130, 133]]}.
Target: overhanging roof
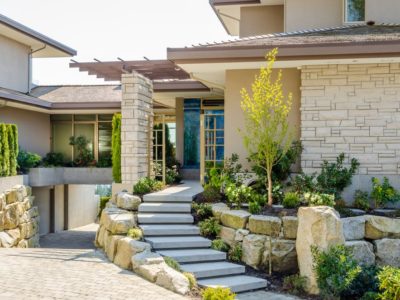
{"points": [[35, 40]]}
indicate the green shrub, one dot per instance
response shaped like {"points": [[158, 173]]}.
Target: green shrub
{"points": [[383, 193], [53, 159], [12, 132], [254, 207], [211, 193], [173, 263], [366, 281], [291, 200], [235, 253], [315, 199], [135, 233], [389, 283], [237, 195], [147, 185], [116, 148], [218, 293], [102, 204], [361, 200], [84, 156], [304, 183], [192, 280], [202, 210], [105, 161], [335, 269], [295, 284], [27, 160], [219, 245], [370, 296], [210, 228], [5, 151]]}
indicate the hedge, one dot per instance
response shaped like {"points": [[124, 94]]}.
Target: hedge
{"points": [[116, 148], [8, 149]]}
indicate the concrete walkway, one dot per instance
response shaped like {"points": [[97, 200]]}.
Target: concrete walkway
{"points": [[68, 267]]}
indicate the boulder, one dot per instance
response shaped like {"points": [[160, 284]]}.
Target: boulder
{"points": [[228, 235], [377, 227], [265, 225], [100, 237], [15, 234], [29, 214], [29, 229], [117, 221], [21, 192], [126, 248], [319, 226], [218, 209], [150, 272], [12, 216], [11, 196], [146, 258], [354, 228], [173, 280], [127, 201], [33, 242], [110, 245], [388, 252], [28, 202], [6, 241], [290, 225], [363, 252], [284, 256], [253, 247], [241, 234], [236, 219], [2, 201]]}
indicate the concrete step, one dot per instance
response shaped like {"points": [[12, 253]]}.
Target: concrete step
{"points": [[168, 230], [165, 207], [178, 242], [213, 269], [160, 198], [238, 283], [158, 218], [194, 255]]}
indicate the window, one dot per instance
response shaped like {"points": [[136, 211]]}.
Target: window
{"points": [[354, 11]]}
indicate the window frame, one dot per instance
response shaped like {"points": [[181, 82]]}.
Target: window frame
{"points": [[345, 14]]}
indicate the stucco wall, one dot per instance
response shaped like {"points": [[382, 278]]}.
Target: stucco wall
{"points": [[234, 119], [59, 208], [353, 109], [13, 65], [382, 11], [33, 128], [42, 201], [261, 20], [82, 205], [179, 129], [309, 14]]}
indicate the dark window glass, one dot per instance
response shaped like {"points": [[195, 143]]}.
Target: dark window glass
{"points": [[355, 10]]}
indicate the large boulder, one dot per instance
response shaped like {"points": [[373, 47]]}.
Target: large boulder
{"points": [[128, 201], [363, 252], [110, 245], [319, 226], [265, 225], [6, 241], [126, 248], [11, 196], [218, 208], [33, 242], [2, 201], [29, 229], [29, 214], [388, 252], [117, 221], [151, 271], [100, 237], [290, 225], [236, 219], [354, 228], [283, 255], [28, 202], [12, 215], [173, 280], [146, 258], [377, 227], [241, 234], [253, 247], [228, 235]]}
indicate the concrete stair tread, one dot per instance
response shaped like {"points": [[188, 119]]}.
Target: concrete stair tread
{"points": [[169, 218], [166, 199], [165, 207], [178, 242], [194, 255], [213, 269], [238, 283], [169, 230]]}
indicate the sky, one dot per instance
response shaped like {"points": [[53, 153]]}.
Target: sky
{"points": [[104, 29]]}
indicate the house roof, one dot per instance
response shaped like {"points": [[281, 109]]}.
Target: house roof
{"points": [[48, 47]]}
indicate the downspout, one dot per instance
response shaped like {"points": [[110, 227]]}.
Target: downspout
{"points": [[30, 67]]}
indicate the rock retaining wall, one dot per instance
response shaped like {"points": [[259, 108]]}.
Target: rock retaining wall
{"points": [[19, 219]]}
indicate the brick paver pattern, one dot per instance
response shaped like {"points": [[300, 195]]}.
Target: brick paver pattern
{"points": [[67, 266]]}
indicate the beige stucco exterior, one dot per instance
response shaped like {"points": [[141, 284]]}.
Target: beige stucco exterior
{"points": [[234, 118], [33, 128], [259, 20], [14, 65], [382, 11]]}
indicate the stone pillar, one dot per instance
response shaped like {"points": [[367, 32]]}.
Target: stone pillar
{"points": [[137, 121]]}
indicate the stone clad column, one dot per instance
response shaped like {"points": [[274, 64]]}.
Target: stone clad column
{"points": [[137, 121]]}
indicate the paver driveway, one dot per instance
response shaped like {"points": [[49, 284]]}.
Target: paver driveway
{"points": [[68, 267]]}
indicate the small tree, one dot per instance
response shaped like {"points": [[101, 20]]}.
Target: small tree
{"points": [[116, 147], [267, 135]]}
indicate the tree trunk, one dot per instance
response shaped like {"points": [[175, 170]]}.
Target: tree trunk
{"points": [[269, 181]]}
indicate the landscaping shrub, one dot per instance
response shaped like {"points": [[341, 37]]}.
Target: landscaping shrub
{"points": [[135, 233], [27, 160], [5, 151], [237, 195], [84, 156], [304, 183], [218, 293], [383, 193], [173, 263], [230, 173], [389, 283], [102, 204], [202, 211], [147, 185], [365, 282], [370, 296], [336, 270], [220, 245], [291, 200], [295, 284], [235, 253], [210, 228], [315, 199], [53, 159], [254, 207], [211, 193], [116, 148], [192, 280], [104, 162], [361, 200], [12, 133]]}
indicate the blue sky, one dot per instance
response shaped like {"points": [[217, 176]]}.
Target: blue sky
{"points": [[105, 30]]}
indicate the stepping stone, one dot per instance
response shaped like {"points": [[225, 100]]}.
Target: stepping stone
{"points": [[194, 255], [213, 269], [239, 283], [178, 242], [168, 230], [158, 218], [165, 207]]}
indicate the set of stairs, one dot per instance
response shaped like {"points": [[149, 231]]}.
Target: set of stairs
{"points": [[167, 224]]}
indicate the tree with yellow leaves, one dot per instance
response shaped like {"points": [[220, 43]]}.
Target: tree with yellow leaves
{"points": [[267, 135]]}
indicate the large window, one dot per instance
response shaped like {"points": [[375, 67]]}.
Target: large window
{"points": [[354, 11]]}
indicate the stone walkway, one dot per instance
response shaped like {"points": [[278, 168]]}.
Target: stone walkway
{"points": [[68, 267]]}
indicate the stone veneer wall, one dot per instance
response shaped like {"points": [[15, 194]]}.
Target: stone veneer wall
{"points": [[353, 109], [137, 118]]}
